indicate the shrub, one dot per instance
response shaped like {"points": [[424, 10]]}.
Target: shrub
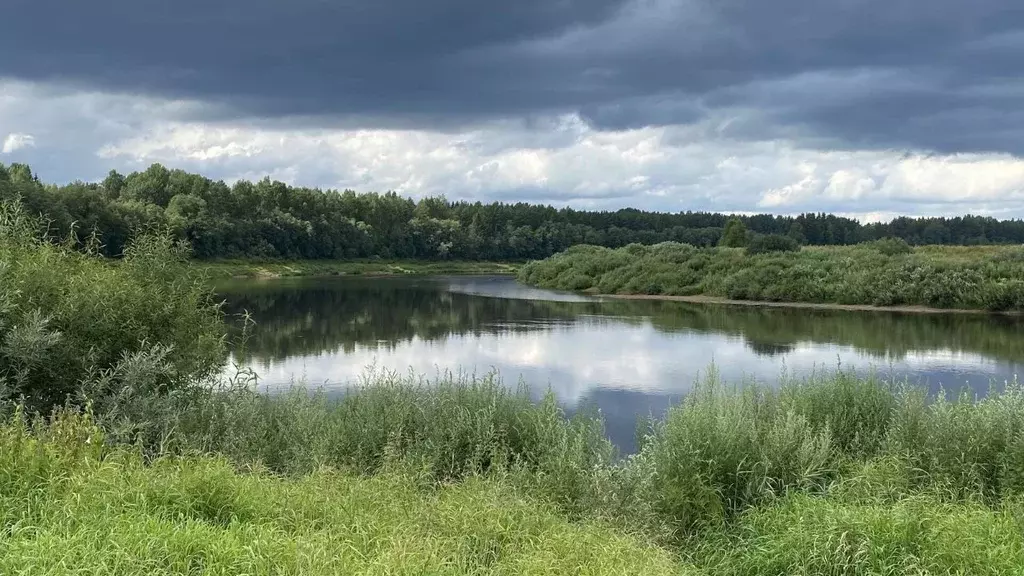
{"points": [[68, 316], [764, 243], [773, 267], [577, 281], [891, 246]]}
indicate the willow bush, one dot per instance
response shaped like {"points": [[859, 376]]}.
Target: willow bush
{"points": [[883, 273], [69, 316]]}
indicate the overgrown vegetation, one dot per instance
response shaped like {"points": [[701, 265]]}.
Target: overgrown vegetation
{"points": [[767, 243], [841, 471], [883, 273], [67, 318], [72, 507], [152, 465]]}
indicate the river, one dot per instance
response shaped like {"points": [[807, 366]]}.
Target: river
{"points": [[626, 358]]}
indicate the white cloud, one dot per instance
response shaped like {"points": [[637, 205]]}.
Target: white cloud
{"points": [[982, 179], [954, 183], [16, 141], [558, 160]]}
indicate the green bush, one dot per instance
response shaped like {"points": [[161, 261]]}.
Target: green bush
{"points": [[68, 316], [774, 268], [765, 243], [891, 246]]}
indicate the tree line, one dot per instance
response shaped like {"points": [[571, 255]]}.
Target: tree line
{"points": [[270, 219]]}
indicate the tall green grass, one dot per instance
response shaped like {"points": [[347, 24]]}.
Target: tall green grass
{"points": [[837, 474], [449, 428], [989, 278], [726, 449], [70, 507], [723, 450], [808, 535]]}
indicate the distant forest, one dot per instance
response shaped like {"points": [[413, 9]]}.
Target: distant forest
{"points": [[269, 219]]}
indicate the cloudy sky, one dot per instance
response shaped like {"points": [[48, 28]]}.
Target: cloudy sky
{"points": [[863, 107]]}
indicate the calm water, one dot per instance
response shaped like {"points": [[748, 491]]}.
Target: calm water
{"points": [[626, 358]]}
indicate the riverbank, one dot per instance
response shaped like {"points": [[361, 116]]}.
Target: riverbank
{"points": [[885, 275], [839, 474], [84, 510], [223, 269], [807, 305]]}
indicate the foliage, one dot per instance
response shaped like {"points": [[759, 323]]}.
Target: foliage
{"points": [[917, 535], [452, 427], [269, 219], [988, 278], [891, 246], [765, 243], [67, 316], [734, 235], [723, 450]]}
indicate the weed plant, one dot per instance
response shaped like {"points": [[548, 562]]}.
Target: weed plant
{"points": [[724, 450]]}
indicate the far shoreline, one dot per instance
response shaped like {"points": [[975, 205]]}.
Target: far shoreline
{"points": [[275, 269], [702, 299]]}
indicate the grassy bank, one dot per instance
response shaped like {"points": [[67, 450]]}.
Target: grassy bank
{"points": [[877, 274], [283, 268], [725, 450], [836, 475], [72, 507]]}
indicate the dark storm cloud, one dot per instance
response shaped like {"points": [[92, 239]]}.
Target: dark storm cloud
{"points": [[942, 75]]}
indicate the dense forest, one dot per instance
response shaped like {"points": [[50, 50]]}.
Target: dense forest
{"points": [[269, 219]]}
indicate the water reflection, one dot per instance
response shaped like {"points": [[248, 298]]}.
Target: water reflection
{"points": [[626, 357]]}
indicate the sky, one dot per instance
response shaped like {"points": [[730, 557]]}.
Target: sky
{"points": [[867, 108]]}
